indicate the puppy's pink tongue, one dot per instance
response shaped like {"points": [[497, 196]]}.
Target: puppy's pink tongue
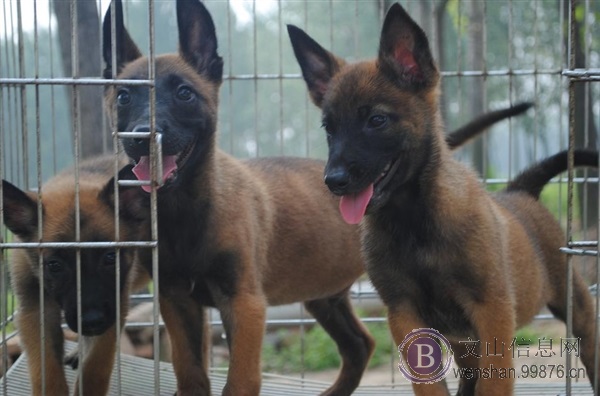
{"points": [[142, 169], [354, 206]]}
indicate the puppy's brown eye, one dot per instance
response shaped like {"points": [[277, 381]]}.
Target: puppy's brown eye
{"points": [[328, 129], [123, 97], [110, 258], [377, 121], [185, 94], [54, 265]]}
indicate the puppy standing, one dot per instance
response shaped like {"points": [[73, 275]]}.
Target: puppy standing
{"points": [[237, 235], [98, 276], [234, 235], [441, 251]]}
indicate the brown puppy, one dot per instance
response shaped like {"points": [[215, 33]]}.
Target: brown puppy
{"points": [[236, 235], [233, 235], [98, 277], [441, 251]]}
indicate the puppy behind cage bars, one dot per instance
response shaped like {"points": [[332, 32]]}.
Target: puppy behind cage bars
{"points": [[99, 388], [51, 270], [441, 252], [232, 234]]}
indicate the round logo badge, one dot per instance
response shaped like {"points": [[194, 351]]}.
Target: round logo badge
{"points": [[428, 356]]}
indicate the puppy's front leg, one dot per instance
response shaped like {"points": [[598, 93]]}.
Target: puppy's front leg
{"points": [[244, 321], [29, 325], [495, 325], [98, 361], [185, 323], [403, 319]]}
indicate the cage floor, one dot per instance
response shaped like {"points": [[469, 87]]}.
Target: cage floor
{"points": [[137, 379]]}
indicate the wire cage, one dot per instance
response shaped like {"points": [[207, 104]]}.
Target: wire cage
{"points": [[491, 54]]}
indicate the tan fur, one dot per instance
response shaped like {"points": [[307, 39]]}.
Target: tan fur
{"points": [[239, 235], [441, 251], [29, 325], [519, 277], [266, 231], [58, 197], [294, 247], [192, 377], [298, 249]]}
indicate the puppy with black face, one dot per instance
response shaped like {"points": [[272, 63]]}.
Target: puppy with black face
{"points": [[235, 235], [441, 251], [59, 271]]}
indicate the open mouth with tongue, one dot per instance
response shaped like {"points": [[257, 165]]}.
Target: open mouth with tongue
{"points": [[354, 206], [171, 164]]}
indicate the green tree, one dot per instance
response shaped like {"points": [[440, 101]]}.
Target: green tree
{"points": [[93, 139]]}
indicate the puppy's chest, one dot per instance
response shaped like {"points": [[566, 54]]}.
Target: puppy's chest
{"points": [[423, 276], [191, 260]]}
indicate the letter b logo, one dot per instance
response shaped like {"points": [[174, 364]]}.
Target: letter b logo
{"points": [[428, 356], [425, 352], [424, 355]]}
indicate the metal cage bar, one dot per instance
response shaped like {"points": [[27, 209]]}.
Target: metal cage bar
{"points": [[294, 127]]}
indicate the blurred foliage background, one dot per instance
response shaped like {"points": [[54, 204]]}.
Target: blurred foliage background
{"points": [[492, 53]]}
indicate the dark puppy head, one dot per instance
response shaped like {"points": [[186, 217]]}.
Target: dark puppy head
{"points": [[186, 91], [381, 116], [98, 265]]}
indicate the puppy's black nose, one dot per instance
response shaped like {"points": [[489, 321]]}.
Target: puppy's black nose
{"points": [[93, 321], [141, 128], [337, 179]]}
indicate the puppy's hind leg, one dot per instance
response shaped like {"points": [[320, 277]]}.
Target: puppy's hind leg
{"points": [[244, 318], [354, 342], [467, 362]]}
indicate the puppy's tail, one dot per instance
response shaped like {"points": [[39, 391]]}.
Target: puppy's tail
{"points": [[533, 179], [461, 135]]}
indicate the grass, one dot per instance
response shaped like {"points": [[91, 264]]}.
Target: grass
{"points": [[10, 302], [529, 334], [10, 305], [318, 351]]}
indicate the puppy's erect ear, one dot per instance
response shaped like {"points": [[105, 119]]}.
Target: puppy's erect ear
{"points": [[404, 52], [19, 211], [126, 49], [318, 65], [198, 39], [134, 203]]}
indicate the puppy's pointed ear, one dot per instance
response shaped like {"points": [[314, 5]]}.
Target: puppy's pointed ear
{"points": [[318, 65], [404, 52], [126, 49], [198, 39], [20, 211], [134, 203]]}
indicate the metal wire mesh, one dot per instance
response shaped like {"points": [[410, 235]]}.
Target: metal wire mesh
{"points": [[491, 54]]}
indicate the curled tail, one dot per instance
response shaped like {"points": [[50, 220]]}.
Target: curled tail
{"points": [[461, 135], [533, 179]]}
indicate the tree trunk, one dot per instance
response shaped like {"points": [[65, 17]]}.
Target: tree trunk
{"points": [[476, 88], [586, 131], [90, 112], [439, 49]]}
